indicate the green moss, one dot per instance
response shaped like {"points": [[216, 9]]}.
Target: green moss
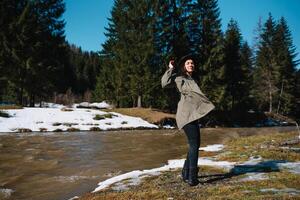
{"points": [[98, 117]]}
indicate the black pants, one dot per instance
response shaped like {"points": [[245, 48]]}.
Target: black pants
{"points": [[192, 133]]}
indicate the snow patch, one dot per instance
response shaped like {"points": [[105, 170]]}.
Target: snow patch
{"points": [[290, 191], [53, 119], [253, 176], [135, 176], [212, 148], [101, 105], [254, 169], [168, 127], [293, 167], [5, 193], [50, 105], [73, 198]]}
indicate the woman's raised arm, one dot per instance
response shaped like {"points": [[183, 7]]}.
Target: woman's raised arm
{"points": [[169, 76]]}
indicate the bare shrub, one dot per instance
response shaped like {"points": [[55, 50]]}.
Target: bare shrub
{"points": [[66, 99], [87, 96]]}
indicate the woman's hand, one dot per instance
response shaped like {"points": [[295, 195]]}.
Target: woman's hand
{"points": [[171, 64]]}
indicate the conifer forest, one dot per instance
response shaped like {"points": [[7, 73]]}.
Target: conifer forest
{"points": [[38, 64]]}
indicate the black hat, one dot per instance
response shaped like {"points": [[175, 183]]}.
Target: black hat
{"points": [[185, 58]]}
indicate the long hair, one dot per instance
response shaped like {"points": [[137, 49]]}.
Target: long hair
{"points": [[195, 74]]}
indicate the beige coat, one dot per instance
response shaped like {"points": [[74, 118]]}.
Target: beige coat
{"points": [[193, 103]]}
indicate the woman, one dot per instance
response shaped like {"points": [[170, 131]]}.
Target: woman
{"points": [[192, 106]]}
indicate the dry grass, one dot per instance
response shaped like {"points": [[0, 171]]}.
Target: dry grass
{"points": [[169, 185], [148, 114], [10, 107], [266, 146], [217, 184]]}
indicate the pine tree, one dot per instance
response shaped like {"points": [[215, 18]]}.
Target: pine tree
{"points": [[234, 76], [285, 61], [257, 35], [113, 80], [246, 101], [20, 47], [52, 50], [210, 48], [171, 39], [266, 71], [128, 56], [171, 42], [83, 68], [276, 68], [141, 50], [297, 95], [6, 17], [34, 46]]}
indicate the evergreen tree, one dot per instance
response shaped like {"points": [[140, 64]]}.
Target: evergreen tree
{"points": [[83, 68], [115, 85], [210, 48], [171, 41], [48, 60], [33, 44], [7, 15], [235, 76], [257, 35], [276, 68], [266, 71], [128, 55], [20, 47], [246, 101], [286, 64], [297, 95]]}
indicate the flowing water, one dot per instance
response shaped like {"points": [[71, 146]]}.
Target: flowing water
{"points": [[62, 165]]}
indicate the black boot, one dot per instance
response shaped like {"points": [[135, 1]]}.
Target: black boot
{"points": [[193, 176], [185, 172]]}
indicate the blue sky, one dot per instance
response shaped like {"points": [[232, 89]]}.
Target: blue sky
{"points": [[86, 19]]}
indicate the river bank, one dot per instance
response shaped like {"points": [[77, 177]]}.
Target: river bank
{"points": [[63, 165], [58, 118], [102, 117], [256, 167]]}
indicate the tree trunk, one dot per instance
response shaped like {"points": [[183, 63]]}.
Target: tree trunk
{"points": [[280, 97], [32, 100], [270, 101], [139, 101], [21, 96], [270, 92]]}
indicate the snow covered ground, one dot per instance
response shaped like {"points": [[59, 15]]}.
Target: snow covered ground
{"points": [[253, 169], [5, 193], [58, 118], [136, 175], [212, 148]]}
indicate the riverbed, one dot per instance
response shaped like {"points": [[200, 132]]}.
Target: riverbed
{"points": [[63, 165]]}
